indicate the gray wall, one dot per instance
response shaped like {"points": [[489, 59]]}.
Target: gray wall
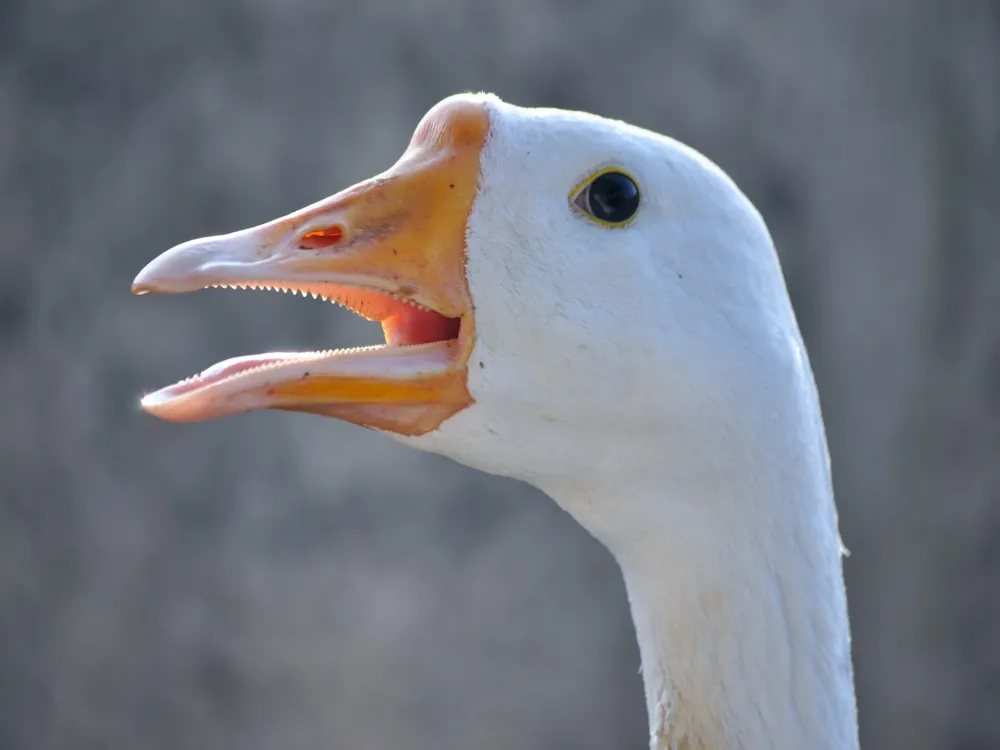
{"points": [[285, 581]]}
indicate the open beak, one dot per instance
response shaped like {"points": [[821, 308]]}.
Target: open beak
{"points": [[392, 249]]}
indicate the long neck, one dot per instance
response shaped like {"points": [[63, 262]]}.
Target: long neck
{"points": [[732, 565], [747, 647]]}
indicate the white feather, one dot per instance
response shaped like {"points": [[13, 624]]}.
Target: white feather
{"points": [[652, 380]]}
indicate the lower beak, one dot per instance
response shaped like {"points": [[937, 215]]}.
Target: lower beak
{"points": [[393, 250]]}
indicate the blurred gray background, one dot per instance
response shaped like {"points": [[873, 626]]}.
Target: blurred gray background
{"points": [[284, 581]]}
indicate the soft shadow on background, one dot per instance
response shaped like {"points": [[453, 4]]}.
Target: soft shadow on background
{"points": [[285, 581]]}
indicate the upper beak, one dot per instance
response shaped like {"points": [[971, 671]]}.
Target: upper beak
{"points": [[392, 248]]}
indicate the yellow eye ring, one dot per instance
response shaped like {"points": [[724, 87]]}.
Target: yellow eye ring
{"points": [[610, 197]]}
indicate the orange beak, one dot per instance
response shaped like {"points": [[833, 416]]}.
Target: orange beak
{"points": [[393, 250]]}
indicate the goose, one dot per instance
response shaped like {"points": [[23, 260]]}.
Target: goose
{"points": [[599, 311]]}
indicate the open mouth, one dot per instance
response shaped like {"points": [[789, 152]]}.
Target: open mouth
{"points": [[428, 337]]}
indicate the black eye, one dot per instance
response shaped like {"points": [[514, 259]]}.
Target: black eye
{"points": [[611, 197]]}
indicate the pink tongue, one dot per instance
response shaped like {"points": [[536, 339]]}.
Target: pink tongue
{"points": [[415, 326]]}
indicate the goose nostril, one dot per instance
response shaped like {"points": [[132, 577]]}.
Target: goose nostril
{"points": [[319, 239]]}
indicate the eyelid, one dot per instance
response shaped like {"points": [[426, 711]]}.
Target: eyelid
{"points": [[585, 183]]}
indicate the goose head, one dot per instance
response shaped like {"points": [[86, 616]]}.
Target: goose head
{"points": [[546, 280], [597, 310]]}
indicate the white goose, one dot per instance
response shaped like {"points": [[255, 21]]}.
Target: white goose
{"points": [[597, 310]]}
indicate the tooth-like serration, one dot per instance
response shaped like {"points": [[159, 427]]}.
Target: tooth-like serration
{"points": [[354, 298]]}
